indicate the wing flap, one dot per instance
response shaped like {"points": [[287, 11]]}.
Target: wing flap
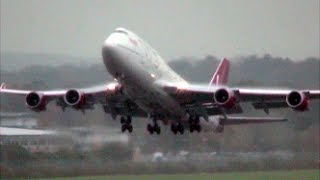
{"points": [[250, 120], [269, 105]]}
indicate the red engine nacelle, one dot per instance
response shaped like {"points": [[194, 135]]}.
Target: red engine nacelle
{"points": [[36, 101], [297, 100], [74, 98], [225, 97]]}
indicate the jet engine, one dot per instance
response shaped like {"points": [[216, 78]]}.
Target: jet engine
{"points": [[35, 101], [297, 100], [74, 98], [225, 97], [215, 121]]}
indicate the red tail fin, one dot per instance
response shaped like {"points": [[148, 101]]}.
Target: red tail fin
{"points": [[220, 77]]}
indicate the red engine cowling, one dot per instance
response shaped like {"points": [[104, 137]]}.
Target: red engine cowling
{"points": [[74, 98], [297, 100], [225, 97], [36, 101]]}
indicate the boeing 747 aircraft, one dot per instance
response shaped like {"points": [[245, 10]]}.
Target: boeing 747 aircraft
{"points": [[145, 86]]}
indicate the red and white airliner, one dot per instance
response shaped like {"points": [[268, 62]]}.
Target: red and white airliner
{"points": [[145, 86]]}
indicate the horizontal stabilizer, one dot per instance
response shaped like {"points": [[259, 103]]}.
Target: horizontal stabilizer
{"points": [[250, 120]]}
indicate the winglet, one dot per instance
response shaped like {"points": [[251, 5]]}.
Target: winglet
{"points": [[220, 77], [3, 86]]}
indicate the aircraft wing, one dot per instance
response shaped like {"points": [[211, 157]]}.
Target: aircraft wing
{"points": [[60, 93], [220, 95], [250, 94], [57, 93], [260, 98], [108, 95]]}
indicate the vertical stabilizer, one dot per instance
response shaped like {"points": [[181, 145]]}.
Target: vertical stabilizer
{"points": [[220, 77]]}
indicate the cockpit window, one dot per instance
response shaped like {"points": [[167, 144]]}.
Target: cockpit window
{"points": [[121, 31]]}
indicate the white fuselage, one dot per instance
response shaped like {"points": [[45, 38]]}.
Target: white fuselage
{"points": [[136, 65]]}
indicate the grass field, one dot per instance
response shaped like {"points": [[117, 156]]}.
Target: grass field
{"points": [[261, 175]]}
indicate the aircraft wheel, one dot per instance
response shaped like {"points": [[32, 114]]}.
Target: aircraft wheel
{"points": [[191, 128], [181, 131], [197, 120], [129, 120], [122, 120], [123, 128], [180, 128], [174, 128], [130, 128], [199, 128], [190, 120], [149, 128], [158, 129], [175, 132]]}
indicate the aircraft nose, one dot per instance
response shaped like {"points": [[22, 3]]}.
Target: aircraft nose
{"points": [[109, 44], [110, 49], [114, 57], [109, 54]]}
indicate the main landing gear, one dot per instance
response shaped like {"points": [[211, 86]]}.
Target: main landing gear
{"points": [[177, 127], [154, 128], [126, 124], [194, 124]]}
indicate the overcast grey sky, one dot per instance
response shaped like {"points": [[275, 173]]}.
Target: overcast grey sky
{"points": [[286, 28]]}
